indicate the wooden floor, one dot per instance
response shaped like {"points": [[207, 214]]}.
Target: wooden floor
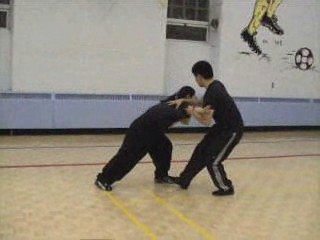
{"points": [[47, 191]]}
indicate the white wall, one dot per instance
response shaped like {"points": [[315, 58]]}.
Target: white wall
{"points": [[119, 46], [89, 46], [180, 57], [249, 75]]}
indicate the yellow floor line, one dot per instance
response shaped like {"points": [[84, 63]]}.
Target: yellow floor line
{"points": [[204, 233], [131, 216]]}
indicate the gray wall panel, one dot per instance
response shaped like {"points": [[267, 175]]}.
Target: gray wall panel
{"points": [[50, 111], [97, 113], [280, 113], [26, 113]]}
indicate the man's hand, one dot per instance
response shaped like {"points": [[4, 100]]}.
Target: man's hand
{"points": [[204, 112], [192, 101], [204, 115], [177, 102]]}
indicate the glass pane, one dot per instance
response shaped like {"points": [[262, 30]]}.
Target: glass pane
{"points": [[174, 32], [203, 15], [194, 33], [203, 3], [186, 33], [191, 3], [176, 13], [176, 2], [189, 9], [190, 14], [3, 19]]}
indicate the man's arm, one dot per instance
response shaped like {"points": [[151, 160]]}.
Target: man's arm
{"points": [[192, 101]]}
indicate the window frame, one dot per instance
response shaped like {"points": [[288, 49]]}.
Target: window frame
{"points": [[184, 7], [189, 23]]}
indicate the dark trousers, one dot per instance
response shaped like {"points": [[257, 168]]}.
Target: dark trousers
{"points": [[212, 150], [137, 143]]}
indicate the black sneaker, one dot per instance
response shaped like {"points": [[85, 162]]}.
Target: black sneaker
{"points": [[251, 40], [221, 192], [272, 25], [102, 185], [177, 180], [167, 180]]}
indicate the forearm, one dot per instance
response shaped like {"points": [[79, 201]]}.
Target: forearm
{"points": [[201, 119], [203, 115]]}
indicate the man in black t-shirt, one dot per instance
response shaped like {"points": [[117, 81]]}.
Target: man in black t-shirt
{"points": [[145, 135], [221, 137]]}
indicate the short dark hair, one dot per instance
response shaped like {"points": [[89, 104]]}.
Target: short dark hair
{"points": [[185, 91], [203, 68], [182, 93]]}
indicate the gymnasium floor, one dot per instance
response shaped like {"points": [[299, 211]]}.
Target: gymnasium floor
{"points": [[47, 191]]}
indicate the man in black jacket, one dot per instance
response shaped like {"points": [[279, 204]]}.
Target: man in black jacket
{"points": [[220, 139], [147, 135]]}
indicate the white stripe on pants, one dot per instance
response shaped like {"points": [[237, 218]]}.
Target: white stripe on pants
{"points": [[217, 161]]}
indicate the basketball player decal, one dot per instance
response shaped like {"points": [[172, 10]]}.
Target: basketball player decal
{"points": [[263, 15]]}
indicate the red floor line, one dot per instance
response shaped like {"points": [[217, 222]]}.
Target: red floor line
{"points": [[174, 161], [117, 146]]}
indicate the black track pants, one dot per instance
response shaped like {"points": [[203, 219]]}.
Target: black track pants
{"points": [[212, 150], [161, 153], [135, 146]]}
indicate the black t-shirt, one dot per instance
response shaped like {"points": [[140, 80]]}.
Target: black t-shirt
{"points": [[226, 113], [159, 117]]}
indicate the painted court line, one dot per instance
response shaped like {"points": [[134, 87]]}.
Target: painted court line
{"points": [[203, 232], [148, 162], [131, 216], [4, 147]]}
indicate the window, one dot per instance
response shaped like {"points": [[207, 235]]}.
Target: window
{"points": [[4, 10], [196, 10], [187, 33], [188, 19], [3, 19]]}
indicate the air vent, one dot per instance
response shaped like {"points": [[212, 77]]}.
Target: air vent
{"points": [[92, 97], [147, 97], [285, 100], [246, 99], [24, 96]]}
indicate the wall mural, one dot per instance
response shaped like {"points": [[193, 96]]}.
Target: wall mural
{"points": [[304, 58], [264, 14]]}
